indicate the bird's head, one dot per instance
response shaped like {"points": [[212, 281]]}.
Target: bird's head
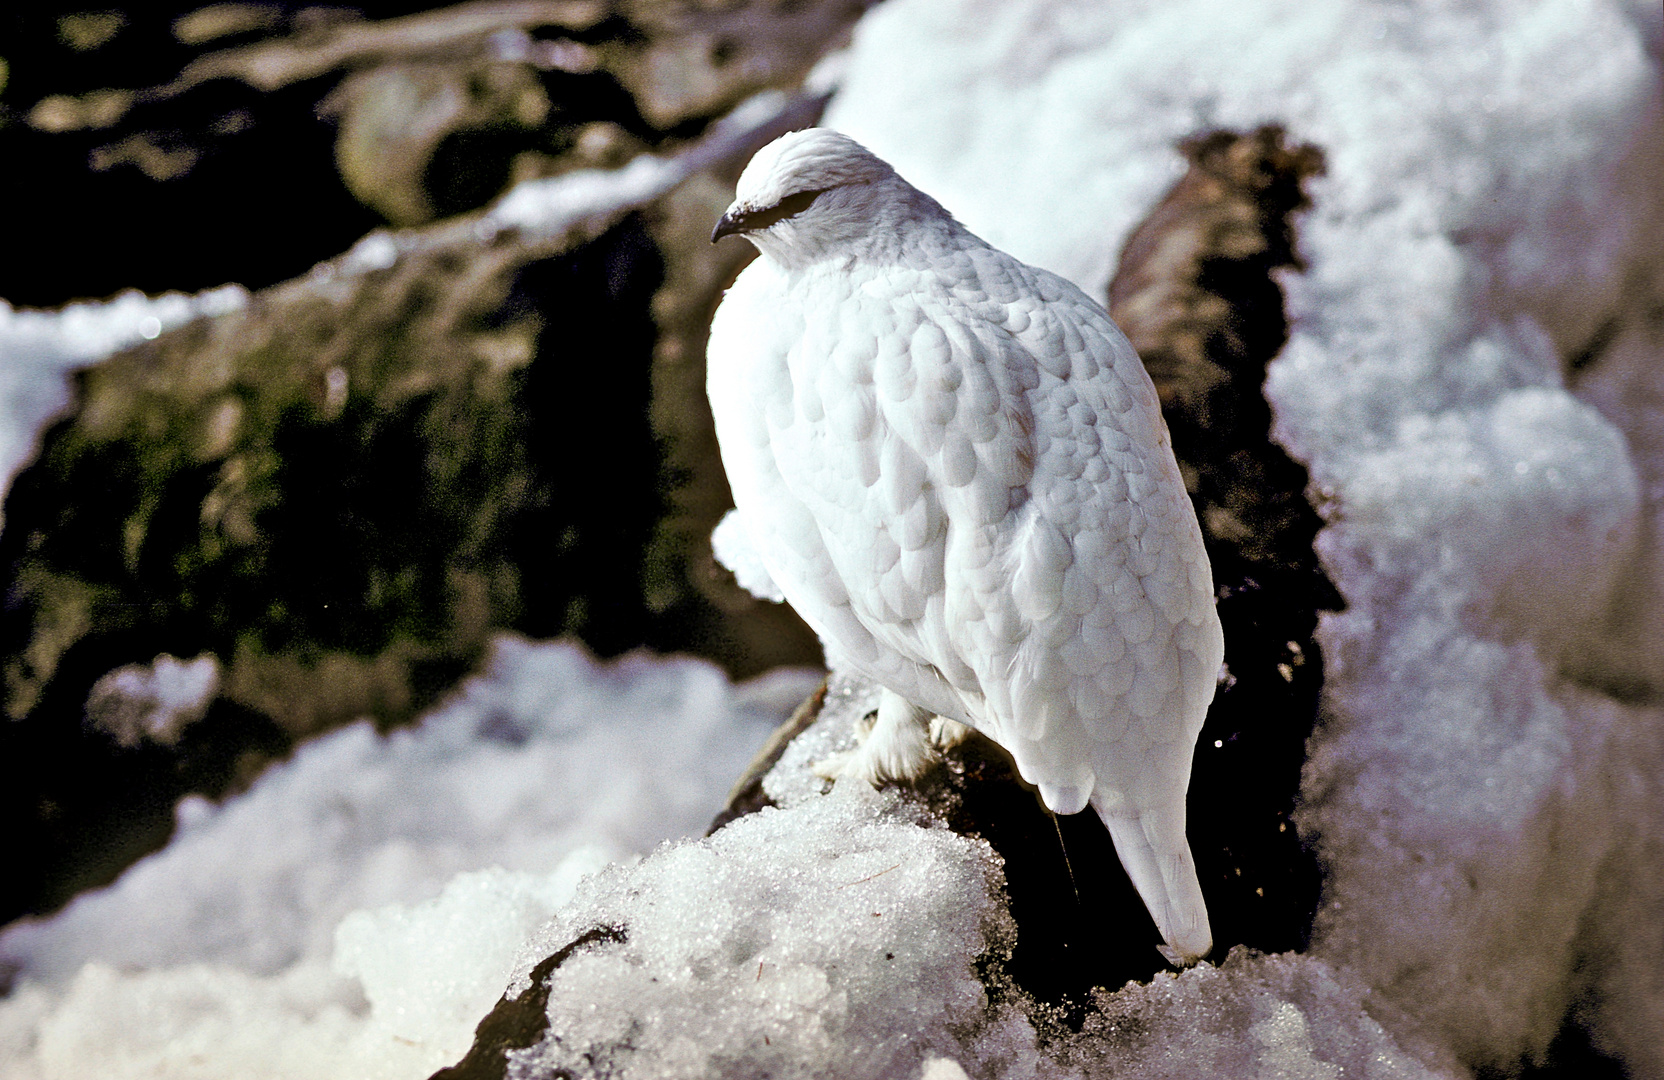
{"points": [[810, 190]]}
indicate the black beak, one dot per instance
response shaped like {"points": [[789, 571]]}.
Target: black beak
{"points": [[727, 225]]}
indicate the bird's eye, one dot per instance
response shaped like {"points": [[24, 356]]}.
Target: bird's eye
{"points": [[790, 206]]}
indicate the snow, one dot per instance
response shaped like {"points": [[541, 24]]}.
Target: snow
{"points": [[793, 781], [1291, 1017], [1487, 812], [836, 938], [846, 934], [401, 999], [548, 206], [545, 209], [415, 863], [155, 701], [38, 348], [840, 934]]}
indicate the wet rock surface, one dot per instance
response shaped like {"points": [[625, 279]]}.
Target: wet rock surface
{"points": [[1196, 294], [190, 147]]}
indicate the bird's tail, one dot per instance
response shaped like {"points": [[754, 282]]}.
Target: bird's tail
{"points": [[1153, 849]]}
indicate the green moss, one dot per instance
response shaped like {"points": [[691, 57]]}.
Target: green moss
{"points": [[68, 608]]}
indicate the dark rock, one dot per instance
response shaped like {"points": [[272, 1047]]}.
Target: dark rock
{"points": [[395, 119], [1080, 922], [1572, 1055], [203, 148], [516, 1023], [687, 59], [223, 183], [1195, 293], [680, 573], [340, 493]]}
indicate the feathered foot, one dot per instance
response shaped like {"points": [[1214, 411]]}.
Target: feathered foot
{"points": [[897, 747], [946, 734]]}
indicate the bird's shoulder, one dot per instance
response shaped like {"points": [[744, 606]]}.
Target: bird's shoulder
{"points": [[1031, 317]]}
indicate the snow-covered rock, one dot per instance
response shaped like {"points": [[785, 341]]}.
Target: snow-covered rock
{"points": [[849, 933], [39, 348], [1489, 221], [838, 938], [361, 906]]}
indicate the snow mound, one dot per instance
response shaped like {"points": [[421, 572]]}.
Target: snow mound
{"points": [[400, 1000], [546, 752], [849, 934], [155, 701], [838, 938], [1287, 1016]]}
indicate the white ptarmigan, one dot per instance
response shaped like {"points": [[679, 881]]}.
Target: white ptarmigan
{"points": [[954, 468]]}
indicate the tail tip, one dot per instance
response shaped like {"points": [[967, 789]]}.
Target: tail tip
{"points": [[1184, 958]]}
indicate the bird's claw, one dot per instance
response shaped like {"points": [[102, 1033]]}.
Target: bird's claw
{"points": [[946, 734], [1176, 958]]}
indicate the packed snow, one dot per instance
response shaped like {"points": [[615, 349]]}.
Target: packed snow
{"points": [[1491, 215], [836, 938]]}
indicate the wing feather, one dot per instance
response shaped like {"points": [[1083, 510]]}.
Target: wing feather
{"points": [[987, 504]]}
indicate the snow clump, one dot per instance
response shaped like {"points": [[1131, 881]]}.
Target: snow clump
{"points": [[155, 701], [838, 938]]}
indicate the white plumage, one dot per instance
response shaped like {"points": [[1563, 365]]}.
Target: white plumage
{"points": [[953, 466]]}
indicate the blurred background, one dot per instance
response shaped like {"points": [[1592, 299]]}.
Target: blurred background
{"points": [[324, 504]]}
